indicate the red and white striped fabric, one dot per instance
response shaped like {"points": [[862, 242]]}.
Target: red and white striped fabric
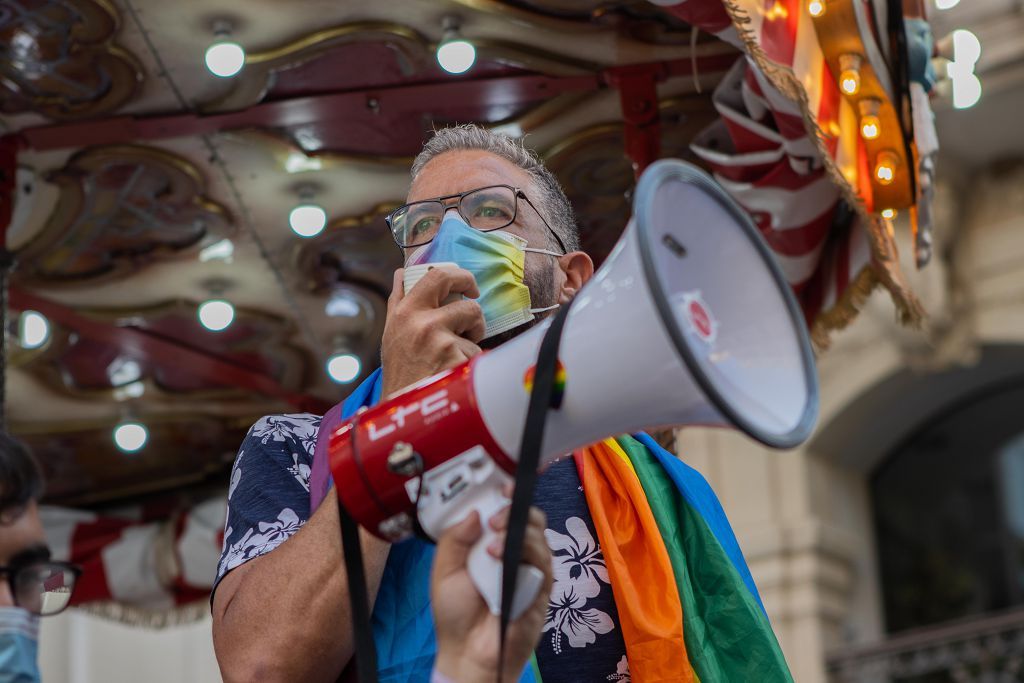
{"points": [[762, 152], [136, 560]]}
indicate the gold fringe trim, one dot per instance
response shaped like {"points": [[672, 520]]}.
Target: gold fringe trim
{"points": [[885, 263], [144, 617], [846, 309]]}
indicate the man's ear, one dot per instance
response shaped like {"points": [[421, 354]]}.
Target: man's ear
{"points": [[578, 269]]}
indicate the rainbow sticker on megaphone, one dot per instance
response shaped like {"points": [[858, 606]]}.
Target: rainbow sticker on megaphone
{"points": [[557, 391]]}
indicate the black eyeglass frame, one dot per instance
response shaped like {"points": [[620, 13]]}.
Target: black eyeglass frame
{"points": [[11, 573], [516, 192]]}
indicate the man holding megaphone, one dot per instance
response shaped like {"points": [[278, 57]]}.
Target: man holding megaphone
{"points": [[649, 581]]}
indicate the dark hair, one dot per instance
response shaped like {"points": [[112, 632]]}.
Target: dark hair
{"points": [[20, 478]]}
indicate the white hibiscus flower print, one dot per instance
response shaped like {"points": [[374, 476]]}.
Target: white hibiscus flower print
{"points": [[300, 471], [621, 671], [236, 476], [301, 427], [576, 556], [567, 616], [224, 541], [255, 543]]}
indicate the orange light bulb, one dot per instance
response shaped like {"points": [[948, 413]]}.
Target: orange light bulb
{"points": [[849, 73], [885, 167], [849, 82], [870, 127]]}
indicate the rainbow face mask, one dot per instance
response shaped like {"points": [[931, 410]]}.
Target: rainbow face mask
{"points": [[496, 259]]}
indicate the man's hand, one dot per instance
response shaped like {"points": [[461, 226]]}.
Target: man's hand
{"points": [[422, 337], [467, 632]]}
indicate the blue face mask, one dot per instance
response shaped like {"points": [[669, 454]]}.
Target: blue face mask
{"points": [[19, 645], [497, 260]]}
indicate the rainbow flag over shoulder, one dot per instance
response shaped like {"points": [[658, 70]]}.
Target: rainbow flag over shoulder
{"points": [[660, 527]]}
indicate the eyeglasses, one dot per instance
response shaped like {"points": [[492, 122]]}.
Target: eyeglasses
{"points": [[42, 588], [485, 208]]}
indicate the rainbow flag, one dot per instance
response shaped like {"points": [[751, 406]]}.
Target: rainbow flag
{"points": [[715, 611]]}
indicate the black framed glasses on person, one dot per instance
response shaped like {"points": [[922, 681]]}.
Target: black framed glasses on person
{"points": [[42, 587], [486, 208]]}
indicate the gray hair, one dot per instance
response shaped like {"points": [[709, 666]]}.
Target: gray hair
{"points": [[552, 200]]}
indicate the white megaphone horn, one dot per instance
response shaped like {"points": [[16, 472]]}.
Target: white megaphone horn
{"points": [[688, 321]]}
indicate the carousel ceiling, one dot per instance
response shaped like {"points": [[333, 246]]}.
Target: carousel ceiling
{"points": [[147, 185]]}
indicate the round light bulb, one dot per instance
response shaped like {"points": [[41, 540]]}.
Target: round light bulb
{"points": [[946, 4], [225, 58], [966, 47], [885, 168], [966, 90], [889, 213], [307, 220], [870, 127], [34, 329], [216, 314], [344, 367], [130, 437], [456, 56], [849, 81], [816, 7]]}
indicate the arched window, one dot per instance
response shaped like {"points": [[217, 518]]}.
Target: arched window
{"points": [[949, 513]]}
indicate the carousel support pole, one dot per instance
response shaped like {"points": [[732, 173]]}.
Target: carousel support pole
{"points": [[8, 189], [638, 92]]}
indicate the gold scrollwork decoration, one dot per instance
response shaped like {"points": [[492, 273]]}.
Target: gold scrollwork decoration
{"points": [[414, 53], [356, 249], [58, 58], [639, 21], [120, 208], [411, 49]]}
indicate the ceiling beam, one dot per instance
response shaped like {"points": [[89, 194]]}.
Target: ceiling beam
{"points": [[346, 105]]}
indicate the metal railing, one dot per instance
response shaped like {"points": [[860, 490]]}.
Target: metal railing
{"points": [[988, 649]]}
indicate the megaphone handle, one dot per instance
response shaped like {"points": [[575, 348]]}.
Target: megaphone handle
{"points": [[485, 570], [471, 481]]}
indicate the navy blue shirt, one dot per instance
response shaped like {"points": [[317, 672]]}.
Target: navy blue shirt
{"points": [[268, 501]]}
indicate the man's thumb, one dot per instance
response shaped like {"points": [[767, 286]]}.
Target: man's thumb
{"points": [[455, 544]]}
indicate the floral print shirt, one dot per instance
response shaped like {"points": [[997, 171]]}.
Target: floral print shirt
{"points": [[268, 501]]}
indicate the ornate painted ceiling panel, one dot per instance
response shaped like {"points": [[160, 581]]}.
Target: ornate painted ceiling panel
{"points": [[122, 207], [60, 58], [99, 370]]}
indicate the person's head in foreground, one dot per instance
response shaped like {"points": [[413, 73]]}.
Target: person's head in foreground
{"points": [[31, 585]]}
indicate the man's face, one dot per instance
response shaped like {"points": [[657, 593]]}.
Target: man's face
{"points": [[22, 539], [455, 172]]}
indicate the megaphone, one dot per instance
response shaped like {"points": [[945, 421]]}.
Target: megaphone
{"points": [[688, 322]]}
